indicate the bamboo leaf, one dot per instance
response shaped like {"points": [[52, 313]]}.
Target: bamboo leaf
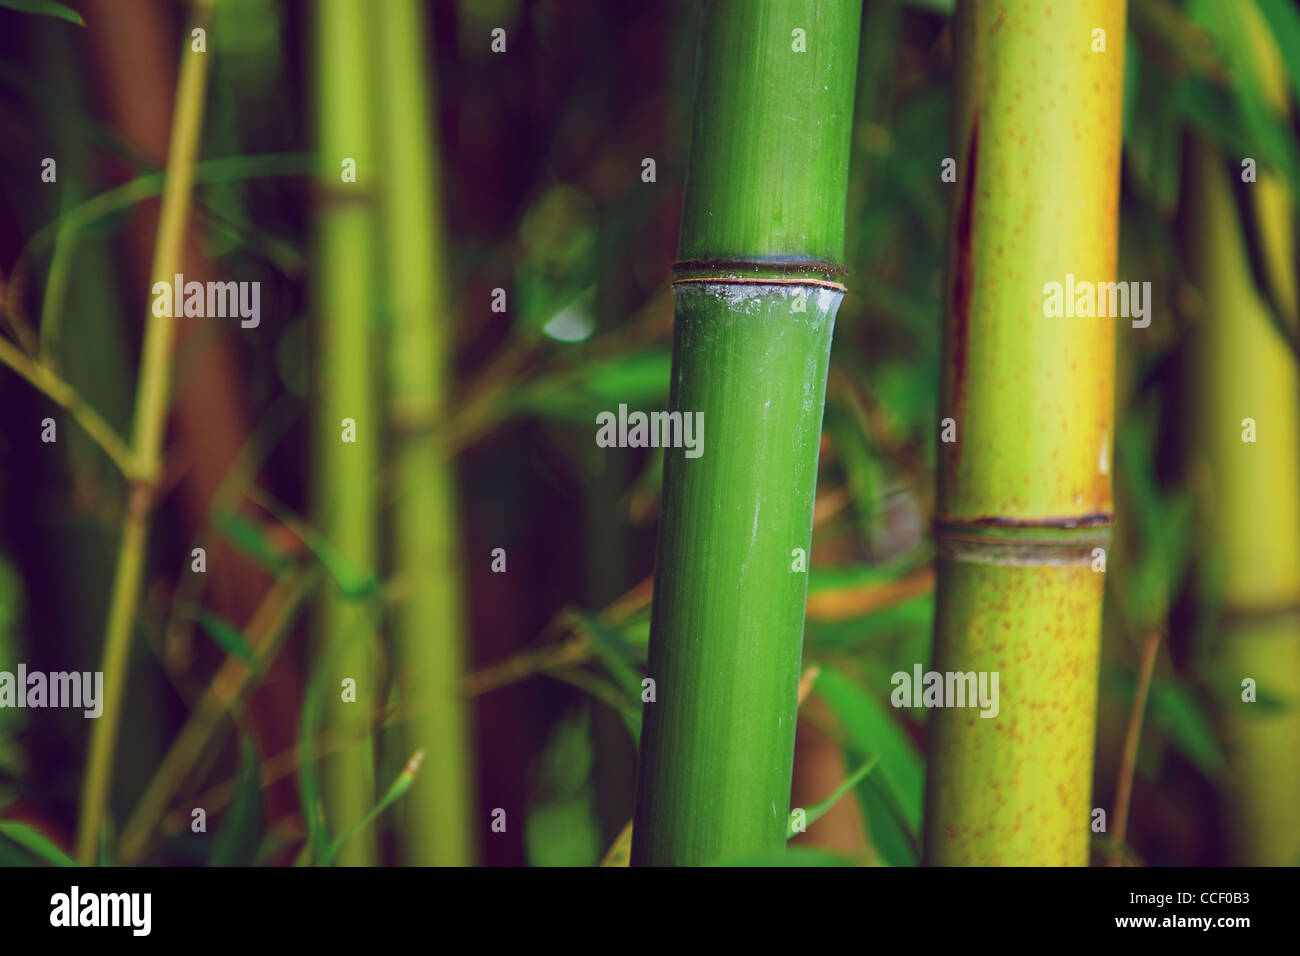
{"points": [[353, 583], [861, 466], [1178, 713], [910, 622], [236, 842], [1164, 523], [886, 827], [613, 653], [225, 635], [313, 809], [395, 793], [250, 538], [362, 620], [891, 798], [854, 577], [46, 8], [35, 843], [638, 376], [607, 693], [871, 729], [818, 810], [636, 379]]}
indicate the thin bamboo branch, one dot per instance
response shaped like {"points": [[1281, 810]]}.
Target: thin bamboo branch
{"points": [[65, 396], [152, 403], [1132, 737]]}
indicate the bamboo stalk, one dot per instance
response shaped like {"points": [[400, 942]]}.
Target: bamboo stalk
{"points": [[1024, 491], [152, 403], [756, 290], [1251, 516], [346, 489], [428, 624]]}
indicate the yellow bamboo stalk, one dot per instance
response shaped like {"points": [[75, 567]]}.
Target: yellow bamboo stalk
{"points": [[1024, 490]]}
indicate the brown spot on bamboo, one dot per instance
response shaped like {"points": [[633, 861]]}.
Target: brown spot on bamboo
{"points": [[963, 283]]}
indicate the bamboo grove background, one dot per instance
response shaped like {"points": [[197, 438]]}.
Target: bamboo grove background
{"points": [[505, 686]]}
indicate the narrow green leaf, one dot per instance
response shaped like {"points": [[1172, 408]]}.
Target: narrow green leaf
{"points": [[608, 694], [34, 842], [1178, 714], [885, 826], [225, 635], [873, 730], [46, 8], [911, 619], [636, 379], [613, 653], [818, 810], [309, 793], [860, 464], [236, 842], [363, 620], [353, 583], [1176, 711], [843, 577], [395, 792], [249, 538], [891, 798]]}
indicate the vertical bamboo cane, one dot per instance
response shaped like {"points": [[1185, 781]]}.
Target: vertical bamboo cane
{"points": [[1024, 491], [756, 289], [436, 827], [1252, 508], [345, 488]]}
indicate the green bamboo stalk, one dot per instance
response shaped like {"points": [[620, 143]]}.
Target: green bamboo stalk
{"points": [[152, 403], [1244, 369], [428, 624], [346, 489], [756, 290], [1024, 492]]}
